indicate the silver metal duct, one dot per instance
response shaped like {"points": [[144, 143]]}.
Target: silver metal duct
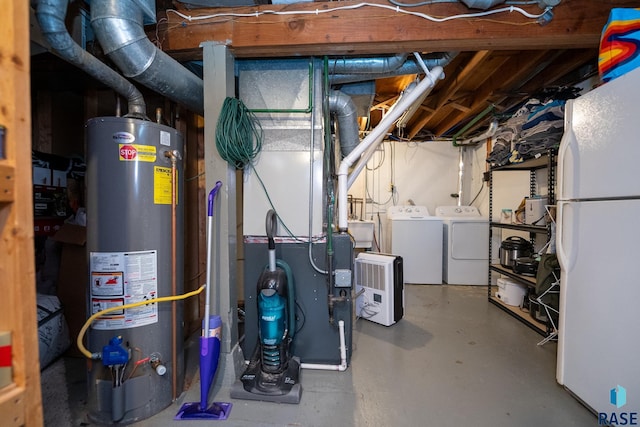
{"points": [[407, 67], [345, 110], [51, 15], [118, 25], [366, 65]]}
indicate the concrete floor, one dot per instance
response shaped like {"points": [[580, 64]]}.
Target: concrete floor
{"points": [[453, 360]]}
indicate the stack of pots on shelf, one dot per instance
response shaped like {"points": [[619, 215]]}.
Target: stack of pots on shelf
{"points": [[516, 252]]}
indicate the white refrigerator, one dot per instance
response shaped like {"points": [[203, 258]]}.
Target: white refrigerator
{"points": [[598, 246]]}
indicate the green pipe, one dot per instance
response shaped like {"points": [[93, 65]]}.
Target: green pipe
{"points": [[327, 158], [329, 224], [471, 123], [325, 113]]}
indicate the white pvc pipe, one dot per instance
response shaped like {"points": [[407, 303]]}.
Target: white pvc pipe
{"points": [[375, 135], [493, 128], [364, 159], [343, 355], [421, 62]]}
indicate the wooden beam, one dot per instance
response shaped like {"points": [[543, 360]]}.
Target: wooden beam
{"points": [[427, 109], [564, 64], [20, 401], [455, 84], [509, 74], [345, 28], [386, 103], [460, 107]]}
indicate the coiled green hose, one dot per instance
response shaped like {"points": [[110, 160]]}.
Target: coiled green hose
{"points": [[238, 134]]}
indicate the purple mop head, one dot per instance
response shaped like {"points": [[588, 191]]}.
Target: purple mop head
{"points": [[209, 353], [193, 411]]}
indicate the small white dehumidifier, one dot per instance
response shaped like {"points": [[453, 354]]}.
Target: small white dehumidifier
{"points": [[379, 287]]}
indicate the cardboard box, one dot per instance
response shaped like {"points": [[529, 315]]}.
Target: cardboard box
{"points": [[73, 278]]}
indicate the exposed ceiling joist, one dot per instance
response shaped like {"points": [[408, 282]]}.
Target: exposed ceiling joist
{"points": [[355, 30], [456, 82], [506, 75], [504, 58]]}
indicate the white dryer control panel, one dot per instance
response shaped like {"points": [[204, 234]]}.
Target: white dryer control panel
{"points": [[407, 211], [457, 211]]}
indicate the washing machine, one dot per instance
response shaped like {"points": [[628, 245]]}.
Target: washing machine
{"points": [[465, 245], [416, 236]]}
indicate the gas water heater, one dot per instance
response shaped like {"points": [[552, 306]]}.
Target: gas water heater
{"points": [[134, 236]]}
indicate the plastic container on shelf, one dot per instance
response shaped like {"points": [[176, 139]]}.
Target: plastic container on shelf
{"points": [[506, 216], [510, 292]]}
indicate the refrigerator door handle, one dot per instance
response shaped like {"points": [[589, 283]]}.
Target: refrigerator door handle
{"points": [[567, 261], [568, 144]]}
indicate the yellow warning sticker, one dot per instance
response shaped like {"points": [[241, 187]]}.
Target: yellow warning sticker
{"points": [[137, 153], [162, 185]]}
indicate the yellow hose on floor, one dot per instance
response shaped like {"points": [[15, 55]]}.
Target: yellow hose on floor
{"points": [[90, 320]]}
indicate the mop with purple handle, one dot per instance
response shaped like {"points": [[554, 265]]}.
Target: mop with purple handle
{"points": [[209, 345]]}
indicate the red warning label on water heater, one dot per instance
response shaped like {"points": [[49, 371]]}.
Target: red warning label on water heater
{"points": [[137, 153], [128, 152]]}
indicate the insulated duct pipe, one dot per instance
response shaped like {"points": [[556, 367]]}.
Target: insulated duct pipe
{"points": [[345, 110], [374, 136], [50, 15], [409, 66], [381, 65], [119, 28]]}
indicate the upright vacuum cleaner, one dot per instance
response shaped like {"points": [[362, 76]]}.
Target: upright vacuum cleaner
{"points": [[273, 374]]}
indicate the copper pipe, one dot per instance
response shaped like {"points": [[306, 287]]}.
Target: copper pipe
{"points": [[174, 286]]}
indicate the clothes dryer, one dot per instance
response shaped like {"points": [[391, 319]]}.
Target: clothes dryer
{"points": [[465, 245], [416, 236]]}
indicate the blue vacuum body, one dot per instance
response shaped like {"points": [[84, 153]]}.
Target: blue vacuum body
{"points": [[273, 373]]}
